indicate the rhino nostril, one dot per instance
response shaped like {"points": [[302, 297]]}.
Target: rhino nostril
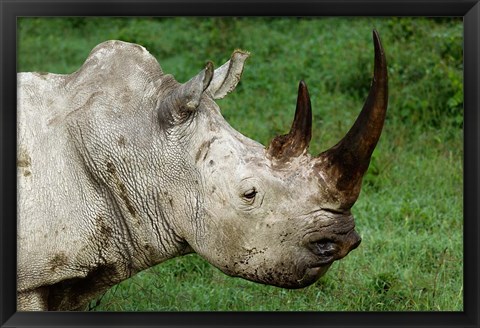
{"points": [[324, 248]]}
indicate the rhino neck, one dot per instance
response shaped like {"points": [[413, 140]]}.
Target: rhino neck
{"points": [[146, 191]]}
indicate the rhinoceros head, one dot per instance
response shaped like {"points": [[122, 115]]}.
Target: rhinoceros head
{"points": [[276, 214]]}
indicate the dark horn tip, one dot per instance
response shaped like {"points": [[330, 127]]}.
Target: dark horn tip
{"points": [[304, 120], [303, 90], [376, 36], [377, 44], [303, 101]]}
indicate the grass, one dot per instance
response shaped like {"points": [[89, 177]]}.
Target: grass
{"points": [[410, 211]]}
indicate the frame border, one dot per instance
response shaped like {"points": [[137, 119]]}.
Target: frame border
{"points": [[10, 10]]}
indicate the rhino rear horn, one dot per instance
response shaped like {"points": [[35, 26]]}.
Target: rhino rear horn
{"points": [[296, 142], [227, 76], [345, 163]]}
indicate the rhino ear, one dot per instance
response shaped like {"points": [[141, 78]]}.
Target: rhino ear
{"points": [[227, 76], [184, 100], [191, 91]]}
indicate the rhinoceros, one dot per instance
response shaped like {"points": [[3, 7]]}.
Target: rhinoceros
{"points": [[120, 167]]}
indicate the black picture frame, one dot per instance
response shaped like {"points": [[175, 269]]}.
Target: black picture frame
{"points": [[468, 9]]}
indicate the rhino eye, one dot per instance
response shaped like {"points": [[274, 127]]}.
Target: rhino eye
{"points": [[250, 194]]}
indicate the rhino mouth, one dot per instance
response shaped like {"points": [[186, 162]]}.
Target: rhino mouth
{"points": [[325, 251], [312, 274]]}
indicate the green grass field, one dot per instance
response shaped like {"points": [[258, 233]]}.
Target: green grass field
{"points": [[410, 211]]}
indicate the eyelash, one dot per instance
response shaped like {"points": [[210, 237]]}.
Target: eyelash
{"points": [[250, 194]]}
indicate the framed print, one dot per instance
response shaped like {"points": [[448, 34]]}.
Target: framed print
{"points": [[224, 163]]}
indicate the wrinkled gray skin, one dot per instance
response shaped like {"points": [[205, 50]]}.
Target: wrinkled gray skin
{"points": [[120, 167]]}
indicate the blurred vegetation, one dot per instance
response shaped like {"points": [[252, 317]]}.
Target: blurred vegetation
{"points": [[410, 212]]}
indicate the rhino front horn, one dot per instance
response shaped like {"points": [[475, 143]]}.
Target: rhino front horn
{"points": [[297, 140], [345, 163]]}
